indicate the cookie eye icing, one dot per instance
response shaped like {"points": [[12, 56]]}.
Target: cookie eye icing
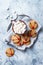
{"points": [[35, 22], [30, 22], [10, 49]]}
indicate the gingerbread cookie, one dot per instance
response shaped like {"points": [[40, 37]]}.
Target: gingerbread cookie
{"points": [[32, 33], [33, 24], [25, 39], [20, 43], [9, 52], [15, 38]]}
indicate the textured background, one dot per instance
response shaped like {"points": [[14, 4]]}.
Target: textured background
{"points": [[33, 8]]}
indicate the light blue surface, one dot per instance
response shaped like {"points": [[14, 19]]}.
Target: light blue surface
{"points": [[33, 55]]}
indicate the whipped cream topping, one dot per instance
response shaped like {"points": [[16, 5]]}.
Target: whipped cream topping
{"points": [[19, 27]]}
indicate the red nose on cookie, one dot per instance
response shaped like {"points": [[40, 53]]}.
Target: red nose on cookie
{"points": [[32, 27]]}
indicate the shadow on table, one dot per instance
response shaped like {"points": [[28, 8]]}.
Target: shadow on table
{"points": [[41, 30]]}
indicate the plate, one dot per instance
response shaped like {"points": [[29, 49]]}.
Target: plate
{"points": [[26, 19]]}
